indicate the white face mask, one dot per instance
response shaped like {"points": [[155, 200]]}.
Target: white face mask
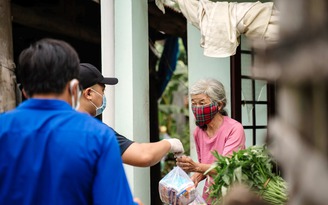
{"points": [[100, 109], [75, 102]]}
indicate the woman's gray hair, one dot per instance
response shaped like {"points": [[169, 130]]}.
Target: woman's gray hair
{"points": [[213, 88]]}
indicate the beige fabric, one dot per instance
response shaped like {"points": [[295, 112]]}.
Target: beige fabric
{"points": [[221, 23], [160, 5], [190, 11], [261, 21]]}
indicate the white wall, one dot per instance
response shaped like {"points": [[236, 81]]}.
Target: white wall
{"points": [[108, 58], [132, 91]]}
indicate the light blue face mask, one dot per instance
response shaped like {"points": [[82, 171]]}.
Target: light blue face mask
{"points": [[100, 109]]}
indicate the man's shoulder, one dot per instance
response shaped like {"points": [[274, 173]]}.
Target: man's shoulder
{"points": [[88, 127], [90, 121]]}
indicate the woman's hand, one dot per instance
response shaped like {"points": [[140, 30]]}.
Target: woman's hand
{"points": [[197, 177], [187, 164]]}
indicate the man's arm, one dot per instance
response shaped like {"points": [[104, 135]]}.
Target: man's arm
{"points": [[149, 154]]}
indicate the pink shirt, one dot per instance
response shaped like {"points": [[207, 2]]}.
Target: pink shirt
{"points": [[228, 138]]}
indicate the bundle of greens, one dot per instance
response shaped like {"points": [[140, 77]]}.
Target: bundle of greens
{"points": [[252, 167]]}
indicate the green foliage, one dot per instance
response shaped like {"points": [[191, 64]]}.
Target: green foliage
{"points": [[253, 167], [168, 111], [170, 160]]}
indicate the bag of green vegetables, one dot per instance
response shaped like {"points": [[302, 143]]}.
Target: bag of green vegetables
{"points": [[252, 167]]}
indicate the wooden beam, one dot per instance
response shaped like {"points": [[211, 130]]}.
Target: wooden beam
{"points": [[42, 20], [7, 66], [171, 23]]}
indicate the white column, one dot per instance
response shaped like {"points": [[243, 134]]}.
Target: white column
{"points": [[107, 57], [132, 91]]}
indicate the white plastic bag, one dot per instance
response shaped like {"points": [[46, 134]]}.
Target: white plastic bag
{"points": [[176, 188], [198, 200]]}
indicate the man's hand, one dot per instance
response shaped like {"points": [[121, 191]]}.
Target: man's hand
{"points": [[138, 201], [176, 147]]}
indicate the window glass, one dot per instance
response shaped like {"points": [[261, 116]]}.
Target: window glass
{"points": [[261, 90], [247, 119], [261, 112], [261, 136], [246, 89], [249, 137], [246, 64]]}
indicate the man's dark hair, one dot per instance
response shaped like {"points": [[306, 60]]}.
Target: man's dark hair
{"points": [[47, 66]]}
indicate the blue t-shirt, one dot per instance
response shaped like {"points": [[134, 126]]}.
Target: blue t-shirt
{"points": [[52, 154]]}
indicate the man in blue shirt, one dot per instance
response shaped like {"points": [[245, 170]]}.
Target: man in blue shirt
{"points": [[49, 152]]}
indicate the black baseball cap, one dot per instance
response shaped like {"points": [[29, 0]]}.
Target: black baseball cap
{"points": [[89, 75]]}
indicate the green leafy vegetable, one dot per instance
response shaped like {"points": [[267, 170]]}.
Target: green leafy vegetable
{"points": [[253, 167]]}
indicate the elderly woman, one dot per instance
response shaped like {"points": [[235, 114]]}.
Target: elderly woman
{"points": [[215, 131]]}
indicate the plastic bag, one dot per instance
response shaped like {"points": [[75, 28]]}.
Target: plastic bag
{"points": [[176, 188], [198, 200]]}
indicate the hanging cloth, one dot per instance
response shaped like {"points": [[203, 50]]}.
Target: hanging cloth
{"points": [[221, 23]]}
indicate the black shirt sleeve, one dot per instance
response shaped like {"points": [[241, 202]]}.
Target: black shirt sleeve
{"points": [[123, 142]]}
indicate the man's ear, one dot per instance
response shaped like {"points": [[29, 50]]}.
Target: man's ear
{"points": [[24, 93], [87, 93]]}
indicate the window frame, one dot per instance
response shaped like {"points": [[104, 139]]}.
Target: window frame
{"points": [[236, 93]]}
